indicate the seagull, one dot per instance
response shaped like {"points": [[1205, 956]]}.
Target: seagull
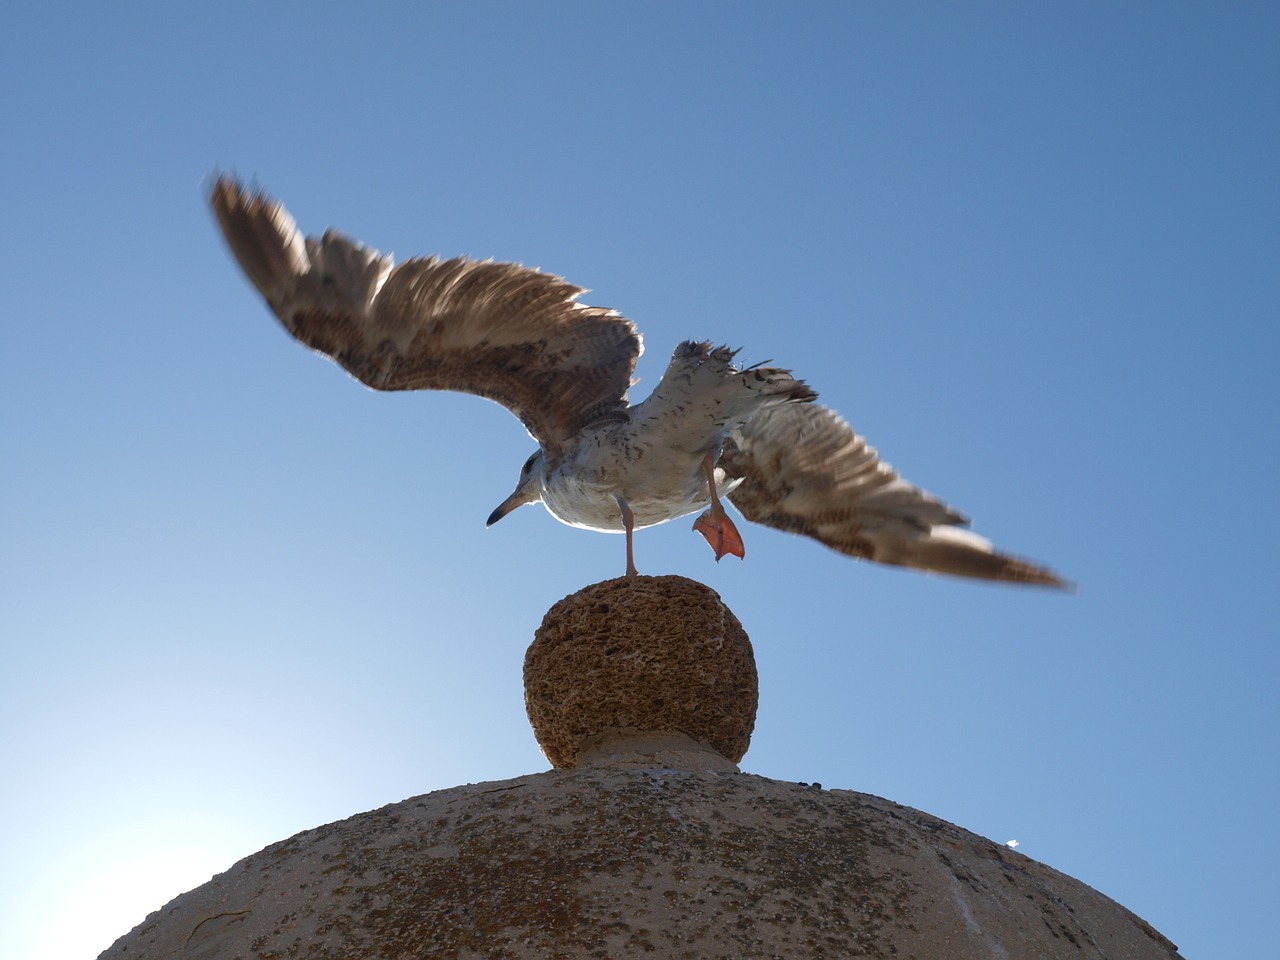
{"points": [[710, 431]]}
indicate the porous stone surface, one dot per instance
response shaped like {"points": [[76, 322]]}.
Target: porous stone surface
{"points": [[624, 861], [677, 751], [647, 842], [640, 654]]}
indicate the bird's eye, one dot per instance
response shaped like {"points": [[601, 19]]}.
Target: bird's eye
{"points": [[528, 464]]}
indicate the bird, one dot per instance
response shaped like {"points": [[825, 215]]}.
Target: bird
{"points": [[711, 430]]}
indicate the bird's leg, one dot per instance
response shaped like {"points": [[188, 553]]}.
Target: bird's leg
{"points": [[714, 523], [629, 525]]}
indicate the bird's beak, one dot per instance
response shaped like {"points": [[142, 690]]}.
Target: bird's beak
{"points": [[517, 499]]}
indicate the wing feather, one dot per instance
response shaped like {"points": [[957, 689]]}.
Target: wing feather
{"points": [[804, 470], [499, 330]]}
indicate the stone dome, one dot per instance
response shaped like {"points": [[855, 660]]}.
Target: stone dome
{"points": [[646, 840]]}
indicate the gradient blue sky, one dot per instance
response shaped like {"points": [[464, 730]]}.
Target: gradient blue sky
{"points": [[1032, 251]]}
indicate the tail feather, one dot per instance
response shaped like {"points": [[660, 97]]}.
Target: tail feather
{"points": [[702, 387]]}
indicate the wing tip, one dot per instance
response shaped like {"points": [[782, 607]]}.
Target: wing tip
{"points": [[1025, 573], [988, 564], [228, 195], [261, 233]]}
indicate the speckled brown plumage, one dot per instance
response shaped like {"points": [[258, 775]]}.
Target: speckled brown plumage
{"points": [[804, 470], [518, 336], [502, 331]]}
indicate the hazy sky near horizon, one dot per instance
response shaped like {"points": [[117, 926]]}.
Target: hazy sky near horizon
{"points": [[1031, 251]]}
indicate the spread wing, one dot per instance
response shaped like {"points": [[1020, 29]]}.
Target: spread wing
{"points": [[499, 330], [804, 470]]}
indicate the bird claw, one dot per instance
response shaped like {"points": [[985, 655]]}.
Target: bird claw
{"points": [[720, 533]]}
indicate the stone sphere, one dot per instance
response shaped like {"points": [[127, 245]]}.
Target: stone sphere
{"points": [[640, 655]]}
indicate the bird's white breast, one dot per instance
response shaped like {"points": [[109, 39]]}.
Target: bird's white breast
{"points": [[658, 483]]}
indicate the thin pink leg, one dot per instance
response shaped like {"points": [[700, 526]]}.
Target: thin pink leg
{"points": [[710, 468], [629, 525]]}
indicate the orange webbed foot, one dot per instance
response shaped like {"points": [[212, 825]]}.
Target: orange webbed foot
{"points": [[720, 532]]}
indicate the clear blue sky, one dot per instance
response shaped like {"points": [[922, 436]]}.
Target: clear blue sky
{"points": [[1032, 251]]}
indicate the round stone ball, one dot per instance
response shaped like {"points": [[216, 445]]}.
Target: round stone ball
{"points": [[640, 655]]}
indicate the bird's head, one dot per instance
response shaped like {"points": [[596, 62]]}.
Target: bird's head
{"points": [[528, 489]]}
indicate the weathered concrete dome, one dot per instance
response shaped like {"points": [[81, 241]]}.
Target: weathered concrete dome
{"points": [[647, 842]]}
